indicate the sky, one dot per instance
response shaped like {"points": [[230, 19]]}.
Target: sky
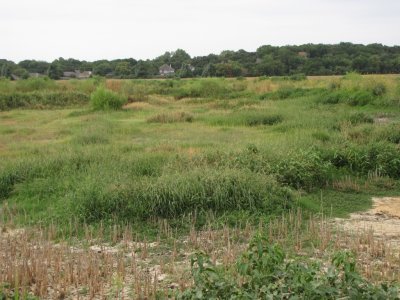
{"points": [[142, 29]]}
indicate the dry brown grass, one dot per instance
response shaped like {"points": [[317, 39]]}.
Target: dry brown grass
{"points": [[114, 262]]}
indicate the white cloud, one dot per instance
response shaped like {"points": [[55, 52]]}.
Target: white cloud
{"points": [[88, 29]]}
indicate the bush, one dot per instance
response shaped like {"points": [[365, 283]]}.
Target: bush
{"points": [[103, 99]]}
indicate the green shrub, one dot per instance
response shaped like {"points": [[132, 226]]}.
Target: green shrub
{"points": [[265, 272], [103, 99]]}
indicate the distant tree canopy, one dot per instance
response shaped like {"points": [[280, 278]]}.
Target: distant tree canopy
{"points": [[308, 59]]}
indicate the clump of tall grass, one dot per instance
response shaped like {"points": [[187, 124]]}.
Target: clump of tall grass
{"points": [[36, 84], [173, 117], [359, 118], [202, 89], [383, 157], [85, 86], [174, 194], [41, 99], [353, 97], [303, 170], [246, 118], [264, 120], [6, 86], [91, 139], [289, 92], [104, 99], [136, 90]]}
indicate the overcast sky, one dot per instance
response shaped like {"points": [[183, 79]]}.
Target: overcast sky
{"points": [[109, 29]]}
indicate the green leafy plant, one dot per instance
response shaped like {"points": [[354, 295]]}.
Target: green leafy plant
{"points": [[265, 272]]}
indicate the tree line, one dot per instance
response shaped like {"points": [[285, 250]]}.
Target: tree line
{"points": [[308, 59]]}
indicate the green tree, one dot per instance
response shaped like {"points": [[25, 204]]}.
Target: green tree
{"points": [[123, 69], [55, 70], [102, 69]]}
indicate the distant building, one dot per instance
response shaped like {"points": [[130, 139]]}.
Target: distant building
{"points": [[302, 54], [15, 77], [83, 75], [77, 74], [36, 75], [166, 70]]}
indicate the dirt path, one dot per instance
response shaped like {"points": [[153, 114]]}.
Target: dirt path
{"points": [[383, 219]]}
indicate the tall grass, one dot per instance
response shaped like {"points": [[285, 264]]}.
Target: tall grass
{"points": [[103, 99], [42, 99]]}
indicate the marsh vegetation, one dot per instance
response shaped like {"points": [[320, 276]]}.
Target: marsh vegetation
{"points": [[160, 172]]}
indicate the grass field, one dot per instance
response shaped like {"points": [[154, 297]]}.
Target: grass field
{"points": [[194, 153]]}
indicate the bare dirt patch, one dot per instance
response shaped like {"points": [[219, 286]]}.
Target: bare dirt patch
{"points": [[381, 120], [383, 220], [137, 105]]}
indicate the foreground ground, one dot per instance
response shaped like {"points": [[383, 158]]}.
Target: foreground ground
{"points": [[192, 166]]}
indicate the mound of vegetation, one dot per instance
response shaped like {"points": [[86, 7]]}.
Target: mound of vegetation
{"points": [[172, 195]]}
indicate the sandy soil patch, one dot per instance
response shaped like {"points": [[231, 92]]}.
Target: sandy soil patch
{"points": [[137, 105], [383, 219]]}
